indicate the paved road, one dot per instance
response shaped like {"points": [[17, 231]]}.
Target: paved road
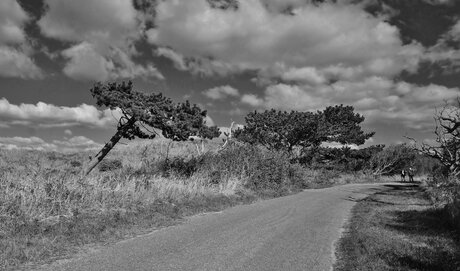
{"points": [[291, 233]]}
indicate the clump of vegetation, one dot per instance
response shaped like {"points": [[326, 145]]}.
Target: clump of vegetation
{"points": [[109, 165]]}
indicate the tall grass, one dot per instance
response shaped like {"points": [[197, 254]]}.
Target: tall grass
{"points": [[47, 207]]}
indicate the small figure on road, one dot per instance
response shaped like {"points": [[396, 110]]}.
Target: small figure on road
{"points": [[403, 175], [411, 173]]}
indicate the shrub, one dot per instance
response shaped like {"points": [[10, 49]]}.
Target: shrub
{"points": [[260, 169], [180, 166], [110, 165], [75, 163]]}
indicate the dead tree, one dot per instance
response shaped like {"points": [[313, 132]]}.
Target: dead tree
{"points": [[447, 131], [392, 159], [145, 115]]}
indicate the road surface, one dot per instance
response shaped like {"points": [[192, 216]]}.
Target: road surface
{"points": [[297, 232]]}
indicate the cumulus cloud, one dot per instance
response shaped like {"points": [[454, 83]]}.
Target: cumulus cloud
{"points": [[15, 63], [12, 19], [44, 115], [380, 100], [15, 59], [177, 59], [304, 74], [86, 64], [74, 144], [222, 92], [103, 32], [253, 37], [446, 52], [197, 64], [252, 100], [77, 142]]}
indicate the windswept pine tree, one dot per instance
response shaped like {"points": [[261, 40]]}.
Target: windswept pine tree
{"points": [[145, 115], [284, 131]]}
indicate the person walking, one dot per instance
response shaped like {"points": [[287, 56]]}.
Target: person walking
{"points": [[411, 173], [403, 175]]}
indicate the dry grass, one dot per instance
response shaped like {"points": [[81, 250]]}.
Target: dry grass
{"points": [[47, 208], [399, 230]]}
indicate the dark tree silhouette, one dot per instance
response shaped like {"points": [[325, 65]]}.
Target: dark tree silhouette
{"points": [[341, 124], [281, 130], [144, 115]]}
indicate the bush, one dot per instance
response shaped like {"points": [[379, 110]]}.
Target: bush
{"points": [[110, 165], [180, 166], [260, 169]]}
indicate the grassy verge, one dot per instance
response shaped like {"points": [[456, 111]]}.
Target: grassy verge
{"points": [[399, 230]]}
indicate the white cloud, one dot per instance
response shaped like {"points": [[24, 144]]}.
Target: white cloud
{"points": [[252, 100], [12, 19], [74, 144], [177, 59], [209, 121], [256, 38], [77, 142], [379, 99], [86, 64], [68, 132], [15, 63], [15, 60], [48, 115], [338, 145], [304, 74], [196, 64], [103, 33], [103, 22], [222, 92], [443, 53], [283, 96]]}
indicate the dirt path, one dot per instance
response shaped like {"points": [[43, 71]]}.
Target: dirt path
{"points": [[289, 233]]}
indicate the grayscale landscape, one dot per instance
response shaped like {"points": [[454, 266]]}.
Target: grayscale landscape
{"points": [[230, 135]]}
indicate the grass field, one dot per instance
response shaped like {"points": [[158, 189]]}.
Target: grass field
{"points": [[399, 230], [48, 208]]}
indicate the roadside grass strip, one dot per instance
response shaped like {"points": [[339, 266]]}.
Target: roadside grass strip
{"points": [[398, 229]]}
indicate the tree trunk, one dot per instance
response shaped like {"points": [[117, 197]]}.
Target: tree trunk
{"points": [[109, 145]]}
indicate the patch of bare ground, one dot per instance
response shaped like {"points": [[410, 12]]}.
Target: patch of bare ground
{"points": [[398, 229]]}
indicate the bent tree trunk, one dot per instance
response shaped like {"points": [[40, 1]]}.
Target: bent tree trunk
{"points": [[109, 145]]}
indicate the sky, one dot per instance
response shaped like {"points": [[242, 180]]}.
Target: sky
{"points": [[394, 61]]}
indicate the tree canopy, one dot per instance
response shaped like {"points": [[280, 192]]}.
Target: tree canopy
{"points": [[143, 115], [281, 130]]}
